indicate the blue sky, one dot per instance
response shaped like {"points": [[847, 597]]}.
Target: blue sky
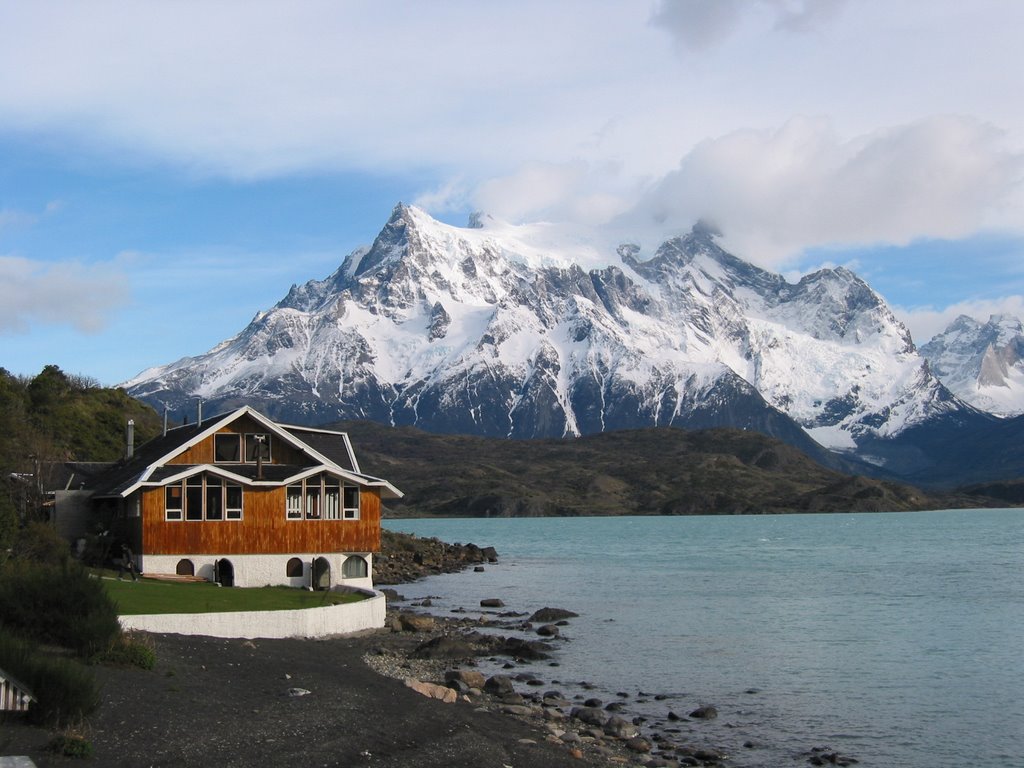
{"points": [[169, 169]]}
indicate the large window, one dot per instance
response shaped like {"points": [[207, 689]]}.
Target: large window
{"points": [[332, 498], [257, 445], [312, 501], [322, 497], [173, 501], [203, 497], [194, 498], [293, 503], [351, 502], [227, 448]]}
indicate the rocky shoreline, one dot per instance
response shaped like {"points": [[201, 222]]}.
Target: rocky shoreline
{"points": [[405, 557], [473, 688], [440, 658], [443, 657]]}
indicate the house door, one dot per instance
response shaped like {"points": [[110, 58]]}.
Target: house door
{"points": [[321, 573], [224, 573]]}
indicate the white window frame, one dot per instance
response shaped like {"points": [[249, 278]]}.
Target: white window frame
{"points": [[250, 440], [350, 512], [180, 509], [294, 501]]}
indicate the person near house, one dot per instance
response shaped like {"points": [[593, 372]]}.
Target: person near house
{"points": [[127, 563]]}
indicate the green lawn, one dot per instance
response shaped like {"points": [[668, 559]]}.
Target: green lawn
{"points": [[151, 596]]}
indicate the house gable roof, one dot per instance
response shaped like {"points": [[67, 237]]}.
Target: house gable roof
{"points": [[330, 451]]}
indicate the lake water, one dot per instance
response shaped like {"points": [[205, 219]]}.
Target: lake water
{"points": [[897, 639]]}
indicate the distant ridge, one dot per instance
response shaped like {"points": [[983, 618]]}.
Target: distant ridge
{"points": [[633, 472]]}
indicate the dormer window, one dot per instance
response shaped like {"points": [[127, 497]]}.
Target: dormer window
{"points": [[257, 444], [227, 448]]}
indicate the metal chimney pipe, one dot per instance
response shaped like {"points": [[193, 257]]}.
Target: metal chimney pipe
{"points": [[165, 421], [129, 440], [199, 412]]}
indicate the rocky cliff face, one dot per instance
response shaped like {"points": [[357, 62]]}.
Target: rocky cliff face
{"points": [[513, 331]]}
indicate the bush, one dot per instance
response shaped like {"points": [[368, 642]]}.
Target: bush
{"points": [[129, 650], [58, 604], [39, 543], [65, 691], [71, 744]]}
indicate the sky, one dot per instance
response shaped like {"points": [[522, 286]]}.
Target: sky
{"points": [[169, 169]]}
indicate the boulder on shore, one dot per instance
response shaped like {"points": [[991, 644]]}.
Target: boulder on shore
{"points": [[550, 615], [414, 622]]}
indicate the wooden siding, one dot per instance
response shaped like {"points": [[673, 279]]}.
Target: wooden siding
{"points": [[280, 452], [263, 528]]}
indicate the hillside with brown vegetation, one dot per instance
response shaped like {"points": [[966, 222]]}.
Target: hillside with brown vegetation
{"points": [[661, 471]]}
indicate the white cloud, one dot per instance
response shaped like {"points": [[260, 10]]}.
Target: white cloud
{"points": [[925, 322], [550, 110], [775, 193], [572, 192], [69, 293]]}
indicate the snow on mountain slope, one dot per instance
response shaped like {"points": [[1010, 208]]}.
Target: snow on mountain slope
{"points": [[530, 331], [982, 363]]}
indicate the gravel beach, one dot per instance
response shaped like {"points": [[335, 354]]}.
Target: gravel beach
{"points": [[334, 702]]}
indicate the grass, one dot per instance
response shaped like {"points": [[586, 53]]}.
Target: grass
{"points": [[149, 596]]}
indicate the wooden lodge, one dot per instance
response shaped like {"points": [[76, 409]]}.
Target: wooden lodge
{"points": [[237, 499], [14, 697]]}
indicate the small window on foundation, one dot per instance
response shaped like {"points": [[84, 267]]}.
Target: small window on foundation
{"points": [[185, 568], [354, 567], [294, 568]]}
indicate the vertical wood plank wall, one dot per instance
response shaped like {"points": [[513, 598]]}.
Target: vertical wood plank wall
{"points": [[263, 528]]}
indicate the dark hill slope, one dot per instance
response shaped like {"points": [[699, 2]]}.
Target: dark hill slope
{"points": [[660, 471]]}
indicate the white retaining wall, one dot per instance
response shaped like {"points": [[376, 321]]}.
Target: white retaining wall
{"points": [[306, 622]]}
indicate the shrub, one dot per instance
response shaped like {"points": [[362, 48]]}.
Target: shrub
{"points": [[65, 691], [71, 744], [39, 543], [58, 604], [129, 650]]}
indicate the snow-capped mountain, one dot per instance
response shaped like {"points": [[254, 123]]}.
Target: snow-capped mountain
{"points": [[982, 363], [519, 331]]}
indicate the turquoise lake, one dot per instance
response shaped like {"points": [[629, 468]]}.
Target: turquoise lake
{"points": [[897, 639]]}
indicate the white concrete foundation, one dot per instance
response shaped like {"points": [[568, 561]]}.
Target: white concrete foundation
{"points": [[263, 570], [307, 622]]}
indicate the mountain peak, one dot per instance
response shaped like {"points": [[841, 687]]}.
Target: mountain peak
{"points": [[531, 330]]}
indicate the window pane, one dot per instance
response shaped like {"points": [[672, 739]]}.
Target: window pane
{"points": [[233, 502], [332, 500], [312, 502], [257, 444], [354, 567], [214, 500], [351, 502], [227, 448], [293, 502], [172, 502], [194, 499]]}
